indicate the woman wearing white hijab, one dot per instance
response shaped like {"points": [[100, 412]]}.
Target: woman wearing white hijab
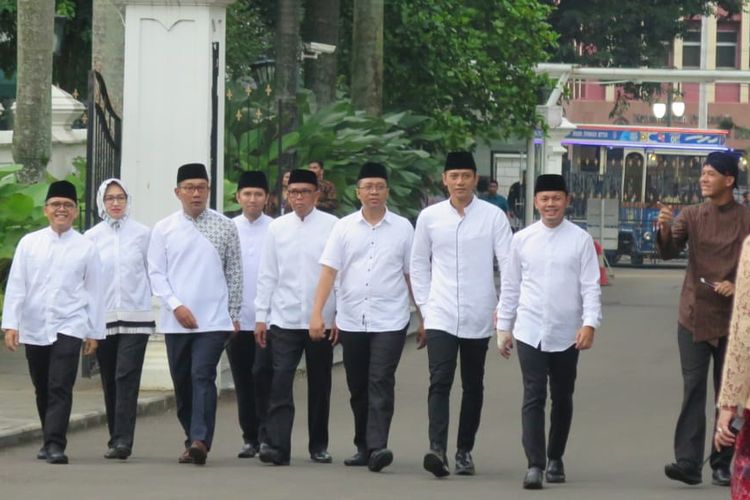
{"points": [[122, 244]]}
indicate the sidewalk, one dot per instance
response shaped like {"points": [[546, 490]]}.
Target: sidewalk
{"points": [[19, 421]]}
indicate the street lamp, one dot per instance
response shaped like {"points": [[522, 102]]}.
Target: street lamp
{"points": [[672, 108], [264, 71]]}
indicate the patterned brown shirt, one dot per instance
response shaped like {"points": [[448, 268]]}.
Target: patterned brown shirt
{"points": [[328, 202]]}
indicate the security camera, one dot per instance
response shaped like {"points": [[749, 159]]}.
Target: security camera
{"points": [[317, 48]]}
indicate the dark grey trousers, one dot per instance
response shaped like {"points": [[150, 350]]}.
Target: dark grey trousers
{"points": [[120, 360], [443, 350], [53, 369], [370, 361], [192, 363], [252, 372], [690, 432], [537, 368], [287, 347]]}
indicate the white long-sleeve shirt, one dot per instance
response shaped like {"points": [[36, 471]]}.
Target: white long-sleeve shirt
{"points": [[289, 271], [55, 286], [196, 263], [550, 287], [252, 235], [371, 261], [451, 267], [122, 249]]}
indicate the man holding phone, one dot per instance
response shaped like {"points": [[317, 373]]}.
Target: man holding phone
{"points": [[715, 231]]}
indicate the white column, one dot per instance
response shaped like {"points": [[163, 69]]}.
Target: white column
{"points": [[167, 116]]}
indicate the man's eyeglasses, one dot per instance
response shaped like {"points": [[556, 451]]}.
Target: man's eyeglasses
{"points": [[293, 193], [62, 205], [119, 198], [373, 188], [200, 189]]}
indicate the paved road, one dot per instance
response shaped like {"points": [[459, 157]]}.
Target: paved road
{"points": [[626, 403]]}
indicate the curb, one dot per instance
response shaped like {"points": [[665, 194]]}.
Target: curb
{"points": [[150, 405]]}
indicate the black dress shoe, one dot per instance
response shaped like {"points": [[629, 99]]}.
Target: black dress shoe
{"points": [[110, 453], [721, 476], [41, 454], [56, 455], [436, 463], [249, 450], [380, 459], [198, 452], [533, 479], [185, 458], [682, 472], [321, 457], [464, 463], [270, 455], [359, 459], [555, 471]]}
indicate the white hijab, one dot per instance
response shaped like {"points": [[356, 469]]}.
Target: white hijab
{"points": [[100, 201]]}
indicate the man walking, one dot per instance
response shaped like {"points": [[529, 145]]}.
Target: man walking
{"points": [[369, 252], [288, 274], [451, 268], [715, 231], [53, 303], [251, 365], [551, 302], [195, 267]]}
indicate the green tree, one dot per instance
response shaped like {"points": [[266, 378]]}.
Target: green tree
{"points": [[367, 56], [321, 24], [468, 64], [625, 34], [33, 121]]}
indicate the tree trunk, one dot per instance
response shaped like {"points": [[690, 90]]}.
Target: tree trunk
{"points": [[32, 133], [367, 56], [108, 48], [322, 25], [287, 71]]}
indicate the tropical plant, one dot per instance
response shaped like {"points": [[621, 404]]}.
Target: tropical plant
{"points": [[342, 137]]}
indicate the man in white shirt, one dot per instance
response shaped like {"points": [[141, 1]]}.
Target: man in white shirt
{"points": [[551, 302], [452, 279], [251, 365], [195, 268], [369, 251], [53, 303], [289, 271]]}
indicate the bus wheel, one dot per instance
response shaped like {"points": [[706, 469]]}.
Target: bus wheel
{"points": [[636, 259]]}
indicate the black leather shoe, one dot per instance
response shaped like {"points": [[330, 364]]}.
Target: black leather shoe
{"points": [[359, 459], [249, 450], [533, 479], [380, 459], [110, 453], [464, 463], [555, 471], [56, 455], [270, 455], [41, 454], [681, 472], [436, 462], [321, 457], [721, 477], [198, 452]]}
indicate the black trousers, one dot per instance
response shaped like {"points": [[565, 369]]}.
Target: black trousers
{"points": [[120, 360], [537, 368], [287, 347], [192, 363], [443, 350], [690, 432], [370, 361], [53, 369], [252, 372]]}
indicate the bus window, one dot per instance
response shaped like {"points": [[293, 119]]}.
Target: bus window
{"points": [[633, 178], [673, 179]]}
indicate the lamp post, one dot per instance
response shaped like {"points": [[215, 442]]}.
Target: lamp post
{"points": [[671, 109], [264, 71]]}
